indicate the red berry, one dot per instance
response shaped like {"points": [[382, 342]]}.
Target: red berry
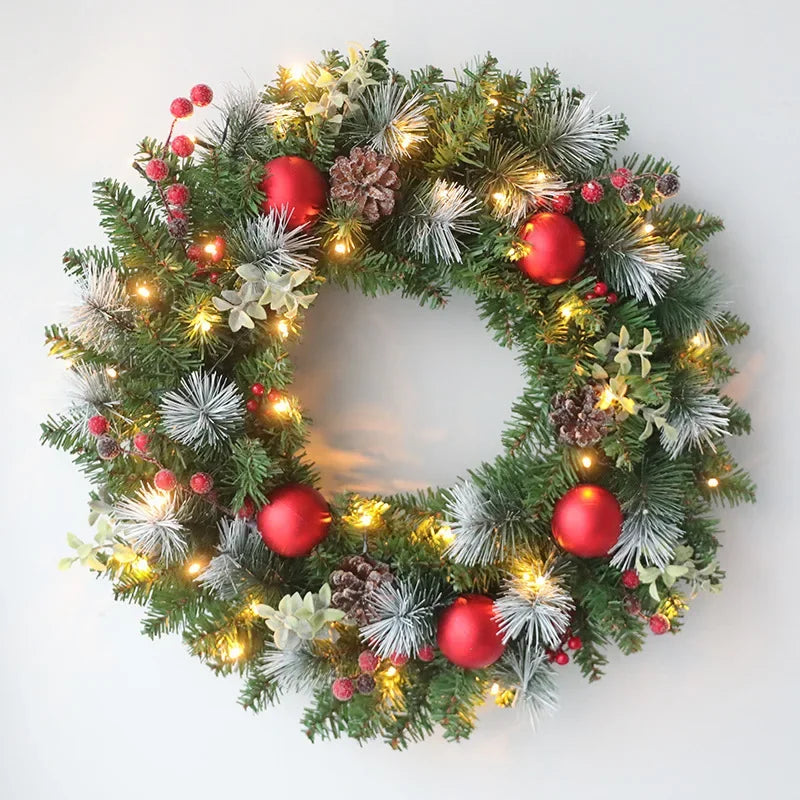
{"points": [[426, 653], [156, 169], [601, 289], [574, 643], [181, 107], [592, 192], [177, 213], [590, 296], [659, 624], [201, 483], [165, 480], [561, 658], [142, 442], [342, 689], [611, 298], [194, 252], [630, 579], [562, 203], [257, 389], [177, 195], [214, 277], [398, 659], [247, 510], [273, 395], [252, 405], [201, 94], [620, 177], [368, 661], [97, 425], [182, 146]]}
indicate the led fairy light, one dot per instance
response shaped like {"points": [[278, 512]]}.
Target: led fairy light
{"points": [[712, 483]]}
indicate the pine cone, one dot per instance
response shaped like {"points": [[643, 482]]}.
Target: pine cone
{"points": [[577, 418], [354, 583], [368, 179]]}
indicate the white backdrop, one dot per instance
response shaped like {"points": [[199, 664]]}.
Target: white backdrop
{"points": [[90, 709]]}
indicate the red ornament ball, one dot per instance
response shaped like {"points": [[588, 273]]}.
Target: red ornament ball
{"points": [[592, 192], [659, 624], [294, 521], [398, 659], [296, 184], [201, 94], [181, 107], [156, 169], [248, 509], [142, 442], [426, 653], [621, 177], [201, 483], [562, 203], [468, 634], [97, 425], [587, 521], [556, 248], [257, 389], [561, 658], [368, 661], [252, 405], [343, 689], [165, 480], [574, 643], [630, 579], [177, 195], [182, 146]]}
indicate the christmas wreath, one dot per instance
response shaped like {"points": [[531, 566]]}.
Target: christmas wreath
{"points": [[399, 613]]}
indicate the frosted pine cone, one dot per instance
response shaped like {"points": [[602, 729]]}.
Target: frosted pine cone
{"points": [[354, 583], [367, 179], [578, 420]]}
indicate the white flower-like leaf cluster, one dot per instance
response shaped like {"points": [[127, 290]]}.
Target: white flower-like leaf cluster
{"points": [[301, 619]]}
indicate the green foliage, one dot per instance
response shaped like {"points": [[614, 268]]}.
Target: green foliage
{"points": [[493, 133]]}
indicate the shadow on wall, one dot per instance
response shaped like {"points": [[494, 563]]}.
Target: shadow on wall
{"points": [[377, 431]]}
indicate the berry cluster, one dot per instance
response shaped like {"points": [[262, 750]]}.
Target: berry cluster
{"points": [[629, 186], [659, 623]]}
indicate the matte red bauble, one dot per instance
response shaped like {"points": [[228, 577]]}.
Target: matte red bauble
{"points": [[555, 248], [587, 521], [468, 633], [296, 184], [294, 521]]}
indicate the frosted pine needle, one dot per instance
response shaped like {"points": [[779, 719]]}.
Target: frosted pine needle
{"points": [[515, 182], [389, 120], [205, 410], [298, 670], [639, 263], [567, 135], [241, 562], [245, 117], [151, 522], [486, 526], [104, 312], [696, 413], [535, 606], [532, 676], [266, 244], [441, 213], [403, 614]]}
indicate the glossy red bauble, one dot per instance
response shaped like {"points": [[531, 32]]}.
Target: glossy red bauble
{"points": [[294, 521], [587, 521], [468, 633], [556, 248], [296, 184]]}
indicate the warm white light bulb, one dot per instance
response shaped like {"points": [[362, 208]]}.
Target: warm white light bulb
{"points": [[495, 690], [143, 291], [111, 372], [194, 568], [713, 483], [340, 248], [586, 461]]}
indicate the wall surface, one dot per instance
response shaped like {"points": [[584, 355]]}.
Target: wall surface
{"points": [[403, 397]]}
